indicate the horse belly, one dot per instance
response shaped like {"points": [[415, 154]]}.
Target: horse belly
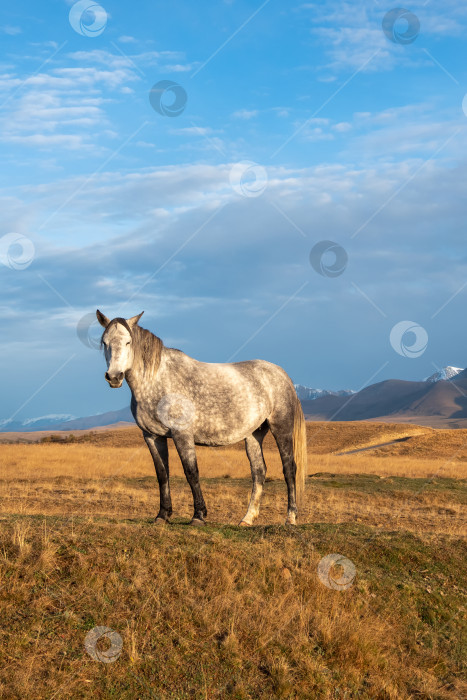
{"points": [[229, 426]]}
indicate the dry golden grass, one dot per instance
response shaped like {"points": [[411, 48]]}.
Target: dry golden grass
{"points": [[408, 505], [227, 612], [427, 452], [83, 460], [324, 438]]}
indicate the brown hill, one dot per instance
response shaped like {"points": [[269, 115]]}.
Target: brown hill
{"points": [[388, 439], [396, 399]]}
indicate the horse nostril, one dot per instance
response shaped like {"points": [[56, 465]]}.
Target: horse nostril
{"points": [[116, 378]]}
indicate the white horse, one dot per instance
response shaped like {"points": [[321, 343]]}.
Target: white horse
{"points": [[200, 403]]}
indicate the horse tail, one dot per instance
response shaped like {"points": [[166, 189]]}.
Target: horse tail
{"points": [[299, 451]]}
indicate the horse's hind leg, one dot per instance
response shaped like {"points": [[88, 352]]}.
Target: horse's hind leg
{"points": [[283, 435], [254, 450]]}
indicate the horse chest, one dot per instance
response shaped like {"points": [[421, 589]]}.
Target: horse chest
{"points": [[146, 420]]}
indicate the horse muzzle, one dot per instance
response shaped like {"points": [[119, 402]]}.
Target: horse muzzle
{"points": [[116, 381]]}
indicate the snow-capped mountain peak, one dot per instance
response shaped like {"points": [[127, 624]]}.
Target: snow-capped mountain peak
{"points": [[41, 422], [444, 373], [50, 418], [305, 393]]}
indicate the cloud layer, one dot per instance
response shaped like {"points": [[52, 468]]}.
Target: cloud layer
{"points": [[352, 139]]}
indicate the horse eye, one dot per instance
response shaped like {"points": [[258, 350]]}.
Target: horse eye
{"points": [[128, 343]]}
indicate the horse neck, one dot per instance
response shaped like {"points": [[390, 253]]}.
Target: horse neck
{"points": [[135, 380]]}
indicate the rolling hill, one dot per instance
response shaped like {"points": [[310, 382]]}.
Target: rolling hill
{"points": [[427, 402]]}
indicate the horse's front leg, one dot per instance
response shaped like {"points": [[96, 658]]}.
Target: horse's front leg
{"points": [[186, 449], [160, 454]]}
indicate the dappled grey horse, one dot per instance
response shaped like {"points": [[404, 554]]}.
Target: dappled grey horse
{"points": [[200, 403]]}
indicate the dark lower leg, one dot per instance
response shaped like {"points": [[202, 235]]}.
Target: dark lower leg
{"points": [[159, 451], [284, 442], [186, 450]]}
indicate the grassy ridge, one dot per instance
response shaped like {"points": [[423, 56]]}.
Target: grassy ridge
{"points": [[229, 612]]}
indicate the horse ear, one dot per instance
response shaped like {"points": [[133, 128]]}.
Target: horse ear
{"points": [[132, 322], [103, 320]]}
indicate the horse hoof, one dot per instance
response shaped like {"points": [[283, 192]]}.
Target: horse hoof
{"points": [[160, 521], [197, 522], [244, 524]]}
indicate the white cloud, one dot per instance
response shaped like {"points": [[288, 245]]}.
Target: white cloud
{"points": [[10, 30], [193, 131], [68, 141], [353, 39], [132, 61], [164, 228], [316, 134], [45, 119], [245, 114], [65, 107], [342, 127], [178, 67], [282, 112]]}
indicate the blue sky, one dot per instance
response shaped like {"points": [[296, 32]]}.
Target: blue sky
{"points": [[354, 139]]}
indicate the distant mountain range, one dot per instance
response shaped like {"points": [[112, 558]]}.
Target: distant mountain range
{"points": [[304, 393], [56, 422], [31, 424], [443, 394], [434, 401]]}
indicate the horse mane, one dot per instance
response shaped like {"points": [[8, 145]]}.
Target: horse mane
{"points": [[147, 349]]}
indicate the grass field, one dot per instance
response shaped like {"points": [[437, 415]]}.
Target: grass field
{"points": [[229, 612]]}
